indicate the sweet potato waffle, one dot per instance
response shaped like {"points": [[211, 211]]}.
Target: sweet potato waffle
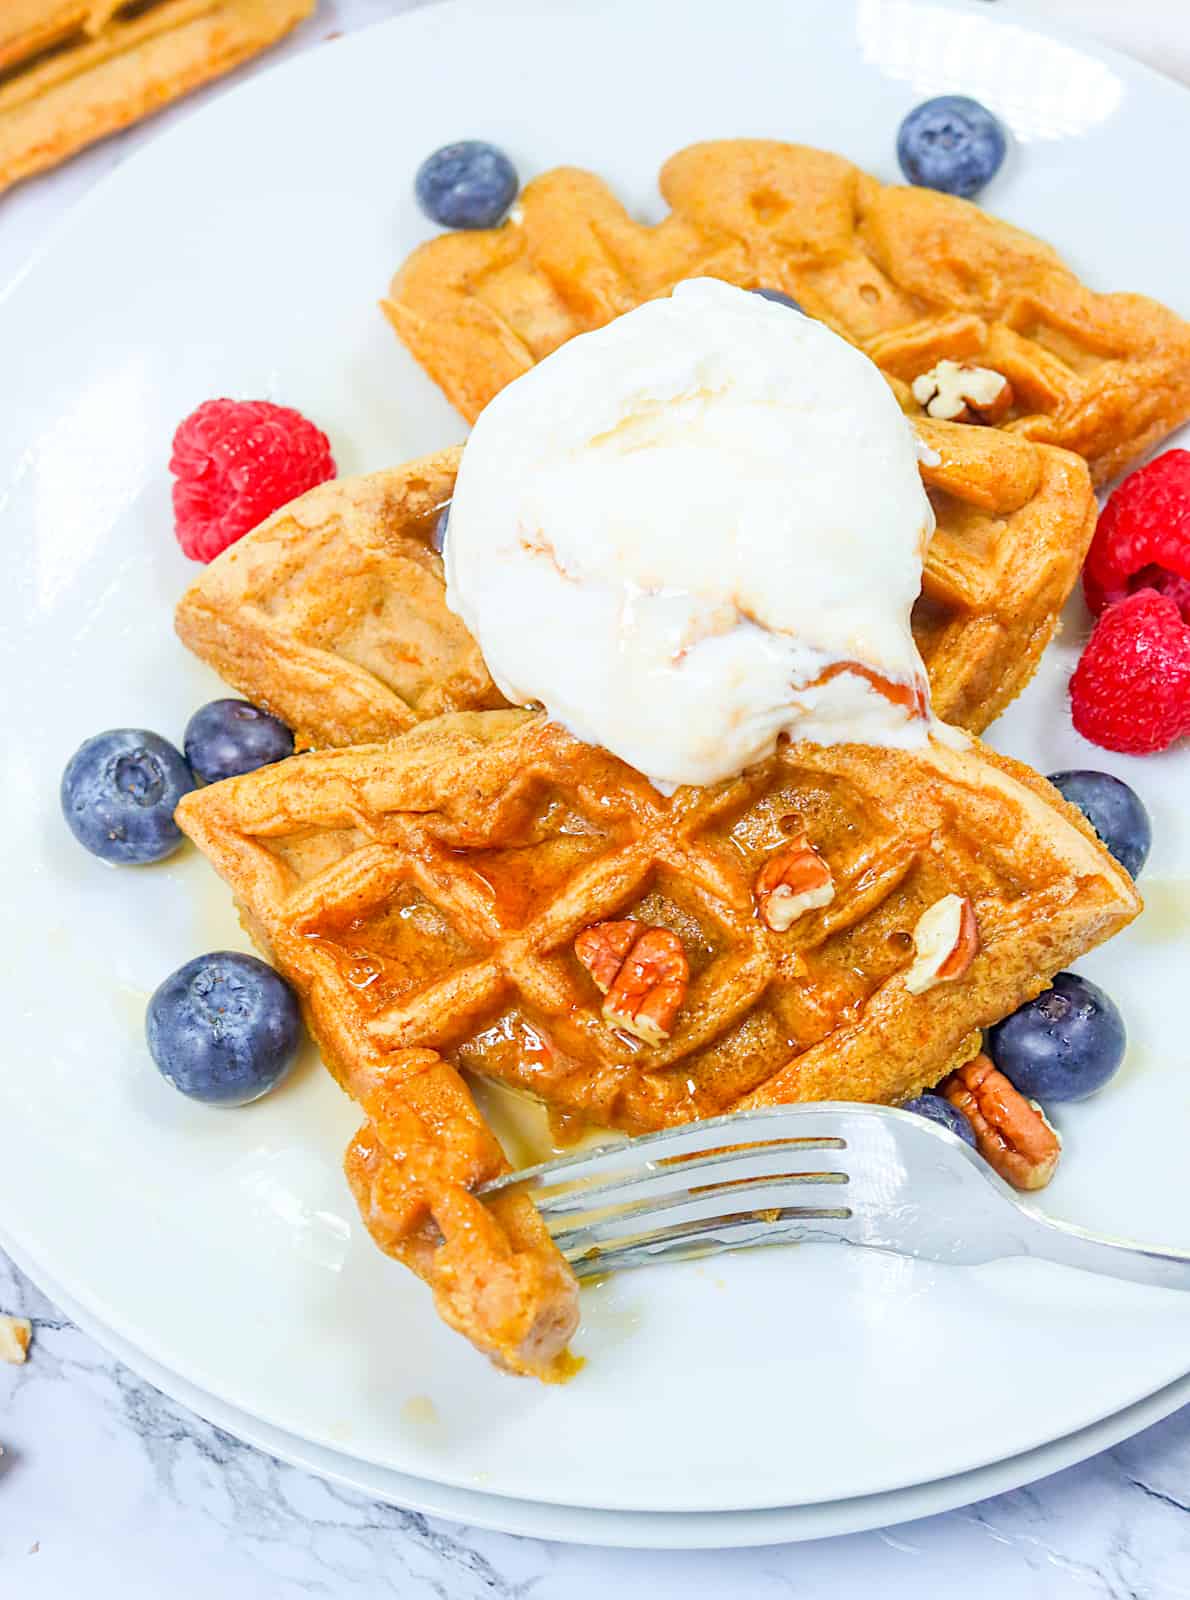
{"points": [[72, 71], [445, 902], [908, 275], [332, 613]]}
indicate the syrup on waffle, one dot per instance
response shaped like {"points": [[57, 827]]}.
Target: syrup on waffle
{"points": [[909, 275], [425, 896], [332, 613], [72, 71]]}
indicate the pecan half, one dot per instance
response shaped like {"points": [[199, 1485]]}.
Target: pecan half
{"points": [[953, 391], [791, 882], [643, 972], [15, 1333], [946, 942], [1011, 1132], [602, 948]]}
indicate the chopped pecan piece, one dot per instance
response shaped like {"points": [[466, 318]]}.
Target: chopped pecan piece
{"points": [[953, 391], [15, 1333], [642, 970], [793, 881], [1011, 1132], [946, 942]]}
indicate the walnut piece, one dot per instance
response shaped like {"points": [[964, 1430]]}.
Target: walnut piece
{"points": [[952, 391], [1012, 1133], [15, 1333], [793, 881], [642, 971], [946, 942]]}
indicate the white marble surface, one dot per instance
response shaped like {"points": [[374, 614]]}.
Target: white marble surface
{"points": [[108, 1489]]}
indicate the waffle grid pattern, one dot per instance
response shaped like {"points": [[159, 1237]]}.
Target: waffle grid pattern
{"points": [[427, 923], [426, 895], [908, 275]]}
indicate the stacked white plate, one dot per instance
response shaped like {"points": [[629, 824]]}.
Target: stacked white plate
{"points": [[783, 1395]]}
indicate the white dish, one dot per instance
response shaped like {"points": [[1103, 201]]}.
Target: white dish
{"points": [[243, 253], [636, 1530]]}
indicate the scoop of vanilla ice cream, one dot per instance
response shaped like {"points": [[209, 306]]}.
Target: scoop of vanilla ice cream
{"points": [[694, 530]]}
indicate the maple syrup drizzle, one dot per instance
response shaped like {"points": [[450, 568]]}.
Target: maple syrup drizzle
{"points": [[910, 695]]}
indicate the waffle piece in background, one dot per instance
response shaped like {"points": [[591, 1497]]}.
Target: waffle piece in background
{"points": [[73, 71], [911, 276], [332, 613], [1014, 521], [442, 903]]}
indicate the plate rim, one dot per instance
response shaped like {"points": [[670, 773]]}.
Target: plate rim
{"points": [[562, 1523]]}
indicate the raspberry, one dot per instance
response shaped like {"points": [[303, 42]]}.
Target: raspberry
{"points": [[236, 462], [1143, 537], [1131, 690]]}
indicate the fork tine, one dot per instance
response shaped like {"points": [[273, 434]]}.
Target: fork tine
{"points": [[766, 1160], [709, 1236], [810, 1126], [703, 1205]]}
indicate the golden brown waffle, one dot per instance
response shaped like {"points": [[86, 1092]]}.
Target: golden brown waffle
{"points": [[424, 896], [908, 275], [72, 71], [1014, 520], [332, 612]]}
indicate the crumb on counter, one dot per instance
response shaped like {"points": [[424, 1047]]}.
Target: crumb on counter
{"points": [[15, 1333]]}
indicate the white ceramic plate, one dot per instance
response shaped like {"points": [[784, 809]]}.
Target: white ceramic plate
{"points": [[637, 1530], [243, 254]]}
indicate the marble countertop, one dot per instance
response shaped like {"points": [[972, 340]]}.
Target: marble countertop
{"points": [[107, 1488]]}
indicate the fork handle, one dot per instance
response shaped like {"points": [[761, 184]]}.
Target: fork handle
{"points": [[1114, 1258]]}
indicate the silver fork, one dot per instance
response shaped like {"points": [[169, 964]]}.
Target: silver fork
{"points": [[827, 1173]]}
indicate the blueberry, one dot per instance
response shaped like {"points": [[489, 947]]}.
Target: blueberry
{"points": [[225, 1028], [1062, 1046], [228, 737], [1114, 811], [118, 795], [951, 143], [466, 185], [438, 537], [780, 298], [938, 1110]]}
